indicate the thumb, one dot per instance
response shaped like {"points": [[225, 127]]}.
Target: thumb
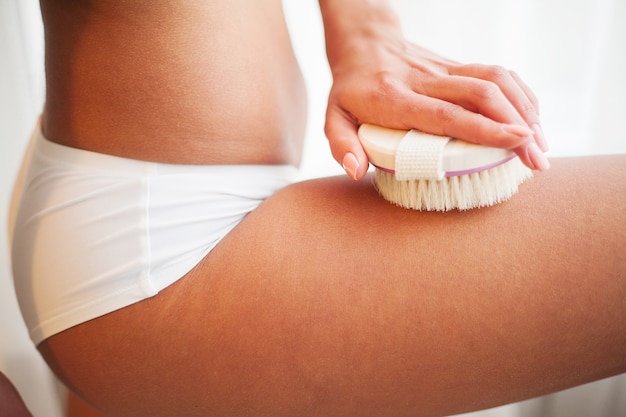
{"points": [[341, 131]]}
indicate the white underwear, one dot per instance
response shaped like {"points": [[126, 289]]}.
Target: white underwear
{"points": [[95, 233]]}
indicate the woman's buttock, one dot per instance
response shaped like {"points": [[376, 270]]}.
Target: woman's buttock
{"points": [[188, 83], [157, 139], [96, 233]]}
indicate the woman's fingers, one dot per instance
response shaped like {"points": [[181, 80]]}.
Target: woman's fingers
{"points": [[452, 105], [435, 116], [479, 96], [448, 119], [503, 95], [341, 131], [539, 135]]}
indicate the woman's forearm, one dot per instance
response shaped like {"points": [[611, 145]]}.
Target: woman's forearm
{"points": [[351, 26]]}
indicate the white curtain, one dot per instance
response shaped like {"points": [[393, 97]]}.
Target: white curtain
{"points": [[572, 52]]}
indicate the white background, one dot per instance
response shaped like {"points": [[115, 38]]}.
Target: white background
{"points": [[571, 52]]}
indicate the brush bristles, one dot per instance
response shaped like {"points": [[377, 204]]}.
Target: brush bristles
{"points": [[464, 192]]}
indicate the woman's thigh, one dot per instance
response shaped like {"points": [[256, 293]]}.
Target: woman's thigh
{"points": [[327, 300]]}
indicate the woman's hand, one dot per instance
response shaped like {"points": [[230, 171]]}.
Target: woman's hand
{"points": [[380, 78]]}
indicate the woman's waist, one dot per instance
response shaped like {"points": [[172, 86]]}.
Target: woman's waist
{"points": [[256, 132], [182, 93], [46, 156]]}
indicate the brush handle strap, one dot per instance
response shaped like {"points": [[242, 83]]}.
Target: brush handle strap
{"points": [[420, 156]]}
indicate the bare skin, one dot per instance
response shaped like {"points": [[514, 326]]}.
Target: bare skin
{"points": [[11, 403], [326, 300], [79, 408], [453, 312], [151, 68]]}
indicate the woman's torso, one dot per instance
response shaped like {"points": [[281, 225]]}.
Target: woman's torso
{"points": [[193, 82]]}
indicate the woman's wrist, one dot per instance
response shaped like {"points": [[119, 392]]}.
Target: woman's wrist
{"points": [[367, 25]]}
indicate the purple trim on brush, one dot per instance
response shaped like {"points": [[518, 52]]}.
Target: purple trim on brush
{"points": [[459, 173], [479, 169], [388, 171]]}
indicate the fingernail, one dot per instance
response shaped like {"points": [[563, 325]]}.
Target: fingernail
{"points": [[540, 138], [537, 157], [350, 165], [517, 130]]}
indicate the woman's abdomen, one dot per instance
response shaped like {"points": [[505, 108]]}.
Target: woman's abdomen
{"points": [[209, 83]]}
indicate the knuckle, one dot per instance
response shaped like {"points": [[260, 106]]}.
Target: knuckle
{"points": [[514, 74], [328, 131], [496, 73], [387, 84], [528, 110], [447, 113], [486, 90]]}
